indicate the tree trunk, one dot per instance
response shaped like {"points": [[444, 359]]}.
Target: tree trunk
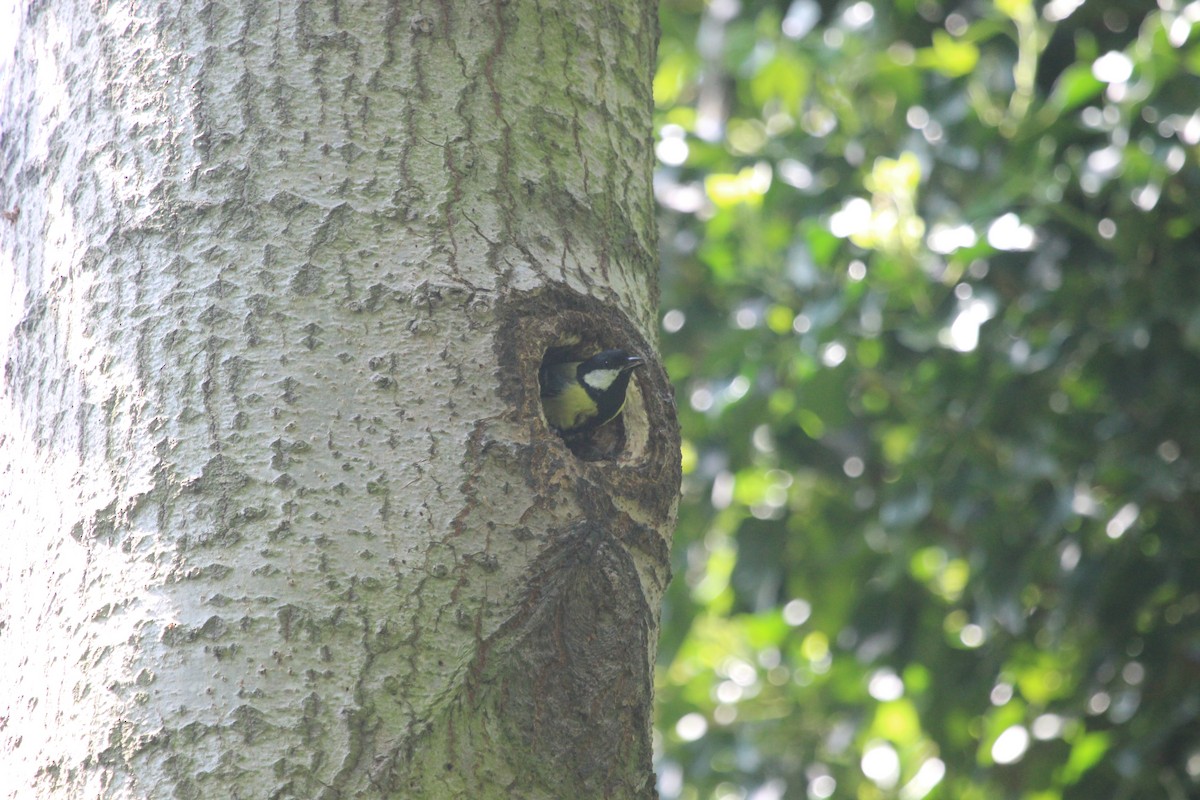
{"points": [[285, 519]]}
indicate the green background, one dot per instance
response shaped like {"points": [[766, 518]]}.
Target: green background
{"points": [[930, 304]]}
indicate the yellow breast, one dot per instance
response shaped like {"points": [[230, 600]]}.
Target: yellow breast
{"points": [[570, 408]]}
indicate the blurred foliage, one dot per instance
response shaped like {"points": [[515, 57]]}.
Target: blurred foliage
{"points": [[932, 307]]}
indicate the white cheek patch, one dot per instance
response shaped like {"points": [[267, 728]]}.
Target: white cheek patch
{"points": [[601, 378]]}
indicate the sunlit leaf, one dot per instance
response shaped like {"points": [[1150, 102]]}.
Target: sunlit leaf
{"points": [[951, 57], [1014, 8], [897, 721], [747, 186], [1086, 751]]}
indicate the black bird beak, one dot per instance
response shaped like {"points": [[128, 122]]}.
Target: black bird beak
{"points": [[631, 362]]}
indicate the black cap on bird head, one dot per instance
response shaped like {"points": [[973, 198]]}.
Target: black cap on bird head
{"points": [[602, 369]]}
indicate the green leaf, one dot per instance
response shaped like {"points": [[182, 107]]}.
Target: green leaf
{"points": [[1076, 86], [1087, 750], [785, 79], [951, 57]]}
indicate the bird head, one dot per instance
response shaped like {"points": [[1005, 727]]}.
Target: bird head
{"points": [[602, 370]]}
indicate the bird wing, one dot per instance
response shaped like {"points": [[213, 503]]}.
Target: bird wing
{"points": [[564, 399], [556, 377]]}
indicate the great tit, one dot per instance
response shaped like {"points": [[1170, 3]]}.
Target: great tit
{"points": [[580, 396]]}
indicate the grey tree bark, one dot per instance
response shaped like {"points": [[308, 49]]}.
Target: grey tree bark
{"points": [[282, 515]]}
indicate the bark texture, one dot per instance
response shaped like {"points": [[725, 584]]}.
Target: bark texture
{"points": [[283, 518]]}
